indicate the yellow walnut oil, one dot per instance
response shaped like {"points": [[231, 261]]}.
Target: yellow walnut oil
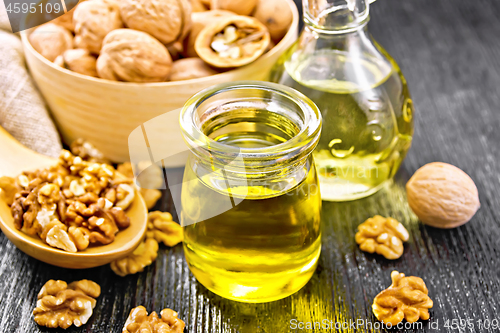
{"points": [[367, 117], [265, 246]]}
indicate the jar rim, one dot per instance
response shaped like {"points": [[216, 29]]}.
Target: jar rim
{"points": [[301, 143]]}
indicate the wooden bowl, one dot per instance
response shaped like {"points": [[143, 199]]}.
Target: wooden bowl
{"points": [[106, 112]]}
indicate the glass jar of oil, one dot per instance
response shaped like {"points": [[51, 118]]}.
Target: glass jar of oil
{"points": [[361, 93], [250, 198]]}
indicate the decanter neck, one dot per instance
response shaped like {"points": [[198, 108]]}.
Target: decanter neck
{"points": [[335, 16]]}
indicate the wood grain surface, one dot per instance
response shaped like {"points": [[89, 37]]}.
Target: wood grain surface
{"points": [[449, 51]]}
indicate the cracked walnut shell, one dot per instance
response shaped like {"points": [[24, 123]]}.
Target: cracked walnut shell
{"points": [[93, 20], [166, 20], [382, 235], [198, 22], [442, 195], [162, 228], [63, 305], [51, 40], [133, 56], [406, 298], [138, 321], [232, 42]]}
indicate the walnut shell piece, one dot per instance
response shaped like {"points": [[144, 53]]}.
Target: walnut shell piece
{"points": [[51, 40], [166, 20], [162, 228], [198, 22], [240, 7], [190, 68], [79, 61], [63, 305], [93, 20], [406, 298], [133, 56], [276, 16], [139, 321], [232, 42], [382, 235], [143, 256], [442, 195]]}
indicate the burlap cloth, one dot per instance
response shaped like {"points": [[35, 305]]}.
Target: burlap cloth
{"points": [[23, 112]]}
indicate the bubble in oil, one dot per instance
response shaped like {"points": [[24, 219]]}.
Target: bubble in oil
{"points": [[376, 130]]}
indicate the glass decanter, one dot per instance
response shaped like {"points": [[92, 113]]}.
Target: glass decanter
{"points": [[361, 93]]}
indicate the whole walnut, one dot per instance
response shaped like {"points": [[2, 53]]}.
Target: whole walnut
{"points": [[166, 20], [442, 195], [240, 7], [93, 20], [276, 16], [133, 56], [66, 20], [51, 40], [198, 6], [190, 68], [80, 61], [199, 21]]}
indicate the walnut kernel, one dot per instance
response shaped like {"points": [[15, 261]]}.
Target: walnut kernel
{"points": [[199, 21], [232, 42], [9, 188], [162, 228], [139, 321], [143, 256], [62, 305], [406, 298], [382, 235], [67, 205], [88, 152]]}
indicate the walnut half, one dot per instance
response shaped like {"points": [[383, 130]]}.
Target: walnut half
{"points": [[143, 256], [61, 305], [138, 321], [406, 298], [382, 235], [162, 228]]}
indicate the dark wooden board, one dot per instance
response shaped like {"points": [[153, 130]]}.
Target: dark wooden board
{"points": [[449, 51]]}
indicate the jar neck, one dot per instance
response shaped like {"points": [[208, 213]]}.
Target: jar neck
{"points": [[224, 126], [333, 17]]}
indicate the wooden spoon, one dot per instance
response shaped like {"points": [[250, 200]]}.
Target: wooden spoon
{"points": [[15, 158]]}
